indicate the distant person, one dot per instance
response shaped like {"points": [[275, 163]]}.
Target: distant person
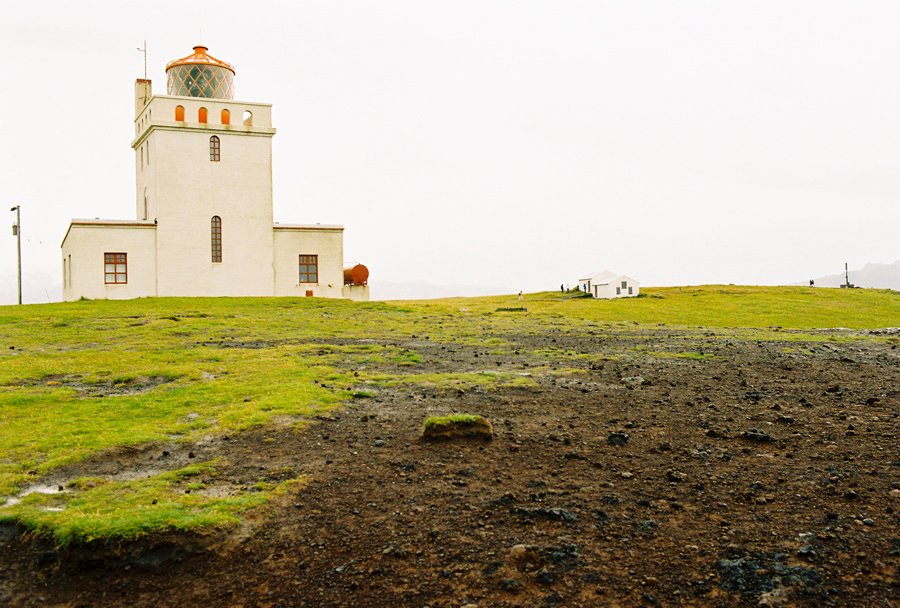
{"points": [[561, 290], [520, 296], [812, 283]]}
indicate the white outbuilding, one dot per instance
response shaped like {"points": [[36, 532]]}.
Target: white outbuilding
{"points": [[608, 285], [203, 200]]}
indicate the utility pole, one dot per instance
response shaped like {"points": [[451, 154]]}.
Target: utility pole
{"points": [[17, 232]]}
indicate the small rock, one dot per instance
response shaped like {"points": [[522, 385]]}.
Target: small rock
{"points": [[508, 498], [647, 525], [618, 438], [757, 436], [806, 552], [544, 577], [394, 550], [626, 474], [633, 381], [517, 552], [379, 443], [553, 513], [869, 521], [524, 557], [675, 475], [510, 585]]}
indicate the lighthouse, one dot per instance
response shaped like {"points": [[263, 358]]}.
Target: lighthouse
{"points": [[203, 205]]}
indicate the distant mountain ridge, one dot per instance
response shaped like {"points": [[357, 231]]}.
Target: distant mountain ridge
{"points": [[423, 290], [879, 276]]}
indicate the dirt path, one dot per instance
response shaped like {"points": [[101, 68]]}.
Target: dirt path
{"points": [[756, 473]]}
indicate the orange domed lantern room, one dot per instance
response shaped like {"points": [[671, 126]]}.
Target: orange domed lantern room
{"points": [[200, 75]]}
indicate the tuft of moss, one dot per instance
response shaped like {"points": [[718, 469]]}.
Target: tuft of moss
{"points": [[457, 426]]}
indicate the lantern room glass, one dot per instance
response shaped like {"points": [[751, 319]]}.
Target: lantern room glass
{"points": [[200, 80]]}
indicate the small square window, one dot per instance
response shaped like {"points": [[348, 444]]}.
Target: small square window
{"points": [[115, 268]]}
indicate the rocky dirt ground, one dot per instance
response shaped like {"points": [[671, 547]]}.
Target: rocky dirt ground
{"points": [[759, 472]]}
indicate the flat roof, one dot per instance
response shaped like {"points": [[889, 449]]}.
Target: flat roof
{"points": [[98, 222], [308, 227]]}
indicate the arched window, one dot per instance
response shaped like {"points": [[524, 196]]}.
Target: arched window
{"points": [[214, 148], [179, 113], [201, 115], [216, 238], [248, 118], [226, 117]]}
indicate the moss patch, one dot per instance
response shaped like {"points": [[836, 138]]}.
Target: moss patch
{"points": [[457, 426]]}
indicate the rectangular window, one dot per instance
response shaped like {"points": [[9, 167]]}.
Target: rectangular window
{"points": [[115, 268], [624, 284], [618, 291], [216, 238], [309, 268], [630, 291]]}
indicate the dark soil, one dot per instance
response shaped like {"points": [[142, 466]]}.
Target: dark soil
{"points": [[766, 475]]}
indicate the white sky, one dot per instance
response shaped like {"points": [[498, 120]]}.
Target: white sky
{"points": [[513, 143]]}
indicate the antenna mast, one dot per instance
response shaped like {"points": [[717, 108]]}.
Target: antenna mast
{"points": [[144, 51]]}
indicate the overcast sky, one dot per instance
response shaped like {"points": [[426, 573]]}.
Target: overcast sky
{"points": [[501, 143]]}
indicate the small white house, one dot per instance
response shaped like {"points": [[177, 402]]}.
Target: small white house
{"points": [[608, 285]]}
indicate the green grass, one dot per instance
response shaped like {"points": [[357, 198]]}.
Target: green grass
{"points": [[714, 306], [80, 378], [168, 502]]}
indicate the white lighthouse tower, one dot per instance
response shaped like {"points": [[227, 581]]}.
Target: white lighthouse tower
{"points": [[204, 224]]}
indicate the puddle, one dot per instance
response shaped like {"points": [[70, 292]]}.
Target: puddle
{"points": [[100, 388], [38, 489]]}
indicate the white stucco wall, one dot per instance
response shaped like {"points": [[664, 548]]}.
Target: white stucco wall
{"points": [[83, 252], [608, 290], [357, 293], [186, 189], [325, 241]]}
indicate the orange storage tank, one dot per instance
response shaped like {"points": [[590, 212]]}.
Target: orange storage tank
{"points": [[356, 275]]}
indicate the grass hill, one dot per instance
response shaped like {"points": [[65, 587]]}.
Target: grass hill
{"points": [[82, 381]]}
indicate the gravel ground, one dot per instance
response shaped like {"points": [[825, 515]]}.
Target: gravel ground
{"points": [[751, 473]]}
